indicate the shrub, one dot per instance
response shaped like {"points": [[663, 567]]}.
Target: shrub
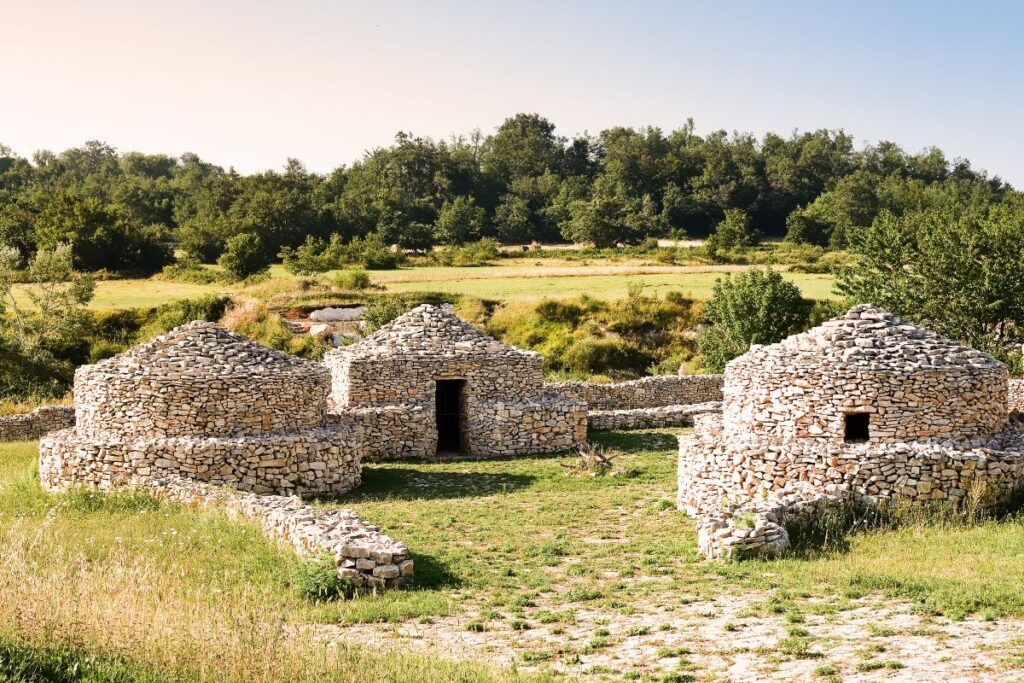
{"points": [[379, 312], [606, 356], [756, 307], [358, 280], [189, 269], [316, 580], [165, 318], [372, 253], [735, 230], [473, 254], [244, 255], [560, 311]]}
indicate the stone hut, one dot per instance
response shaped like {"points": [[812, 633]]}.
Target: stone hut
{"points": [[865, 377], [430, 383], [866, 409], [202, 403]]}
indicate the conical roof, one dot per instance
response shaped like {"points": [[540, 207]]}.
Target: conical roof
{"points": [[203, 349], [873, 339], [429, 330]]}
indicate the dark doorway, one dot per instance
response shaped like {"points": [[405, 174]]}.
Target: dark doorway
{"points": [[448, 403], [857, 427]]}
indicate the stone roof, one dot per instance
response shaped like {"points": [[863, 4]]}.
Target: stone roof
{"points": [[203, 349], [429, 330], [872, 339]]}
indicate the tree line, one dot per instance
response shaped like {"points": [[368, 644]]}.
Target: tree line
{"points": [[128, 212]]}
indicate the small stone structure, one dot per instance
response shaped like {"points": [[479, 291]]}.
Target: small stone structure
{"points": [[206, 404], [202, 416], [1015, 395], [866, 409], [34, 424], [430, 383]]}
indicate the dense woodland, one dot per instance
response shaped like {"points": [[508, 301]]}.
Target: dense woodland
{"points": [[128, 212]]}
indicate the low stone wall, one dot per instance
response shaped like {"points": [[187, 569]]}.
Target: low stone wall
{"points": [[362, 554], [545, 424], [647, 392], [650, 418], [391, 432], [1015, 395], [36, 423], [312, 461], [711, 472]]}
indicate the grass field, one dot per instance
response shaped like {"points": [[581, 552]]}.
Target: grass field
{"points": [[560, 565], [514, 280]]}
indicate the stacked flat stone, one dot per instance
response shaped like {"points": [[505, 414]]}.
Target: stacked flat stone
{"points": [[209, 405], [1015, 395], [34, 424], [939, 428], [651, 418], [362, 554], [646, 392], [393, 373]]}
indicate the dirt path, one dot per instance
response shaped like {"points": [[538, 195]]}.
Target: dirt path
{"points": [[729, 639]]}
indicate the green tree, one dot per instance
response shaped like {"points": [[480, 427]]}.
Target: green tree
{"points": [[459, 221], [756, 307], [735, 230], [244, 255], [962, 276]]}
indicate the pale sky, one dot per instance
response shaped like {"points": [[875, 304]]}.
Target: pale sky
{"points": [[250, 83]]}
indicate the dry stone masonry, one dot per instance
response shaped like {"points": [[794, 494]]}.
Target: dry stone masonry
{"points": [[428, 374], [1015, 395], [866, 409], [36, 423]]}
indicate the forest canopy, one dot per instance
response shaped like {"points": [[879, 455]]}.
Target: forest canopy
{"points": [[127, 212]]}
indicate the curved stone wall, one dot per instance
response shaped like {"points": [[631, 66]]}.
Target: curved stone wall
{"points": [[128, 405], [312, 461], [1015, 395], [714, 472], [781, 404]]}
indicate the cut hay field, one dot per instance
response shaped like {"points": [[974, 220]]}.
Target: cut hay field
{"points": [[513, 280], [526, 570]]}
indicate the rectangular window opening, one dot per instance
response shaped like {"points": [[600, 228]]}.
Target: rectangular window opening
{"points": [[857, 428]]}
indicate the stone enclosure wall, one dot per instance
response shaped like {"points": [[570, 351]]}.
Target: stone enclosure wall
{"points": [[1015, 395], [647, 392], [36, 423]]}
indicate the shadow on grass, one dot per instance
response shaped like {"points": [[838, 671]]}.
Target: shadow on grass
{"points": [[636, 442], [400, 483], [433, 573]]}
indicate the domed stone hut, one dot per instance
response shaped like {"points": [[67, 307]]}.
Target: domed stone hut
{"points": [[864, 377], [203, 403], [429, 383], [865, 409]]}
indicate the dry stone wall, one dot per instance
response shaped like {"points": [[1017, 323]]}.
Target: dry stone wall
{"points": [[203, 403], [1015, 395], [938, 430], [362, 554], [647, 392], [36, 423], [650, 418], [913, 384], [504, 408]]}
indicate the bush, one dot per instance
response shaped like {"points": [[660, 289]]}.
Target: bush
{"points": [[379, 312], [358, 280], [560, 311], [244, 255], [606, 356], [371, 253], [316, 580], [735, 230], [165, 318], [188, 269], [756, 307], [473, 254]]}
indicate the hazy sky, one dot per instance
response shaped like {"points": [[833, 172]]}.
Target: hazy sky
{"points": [[251, 82]]}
